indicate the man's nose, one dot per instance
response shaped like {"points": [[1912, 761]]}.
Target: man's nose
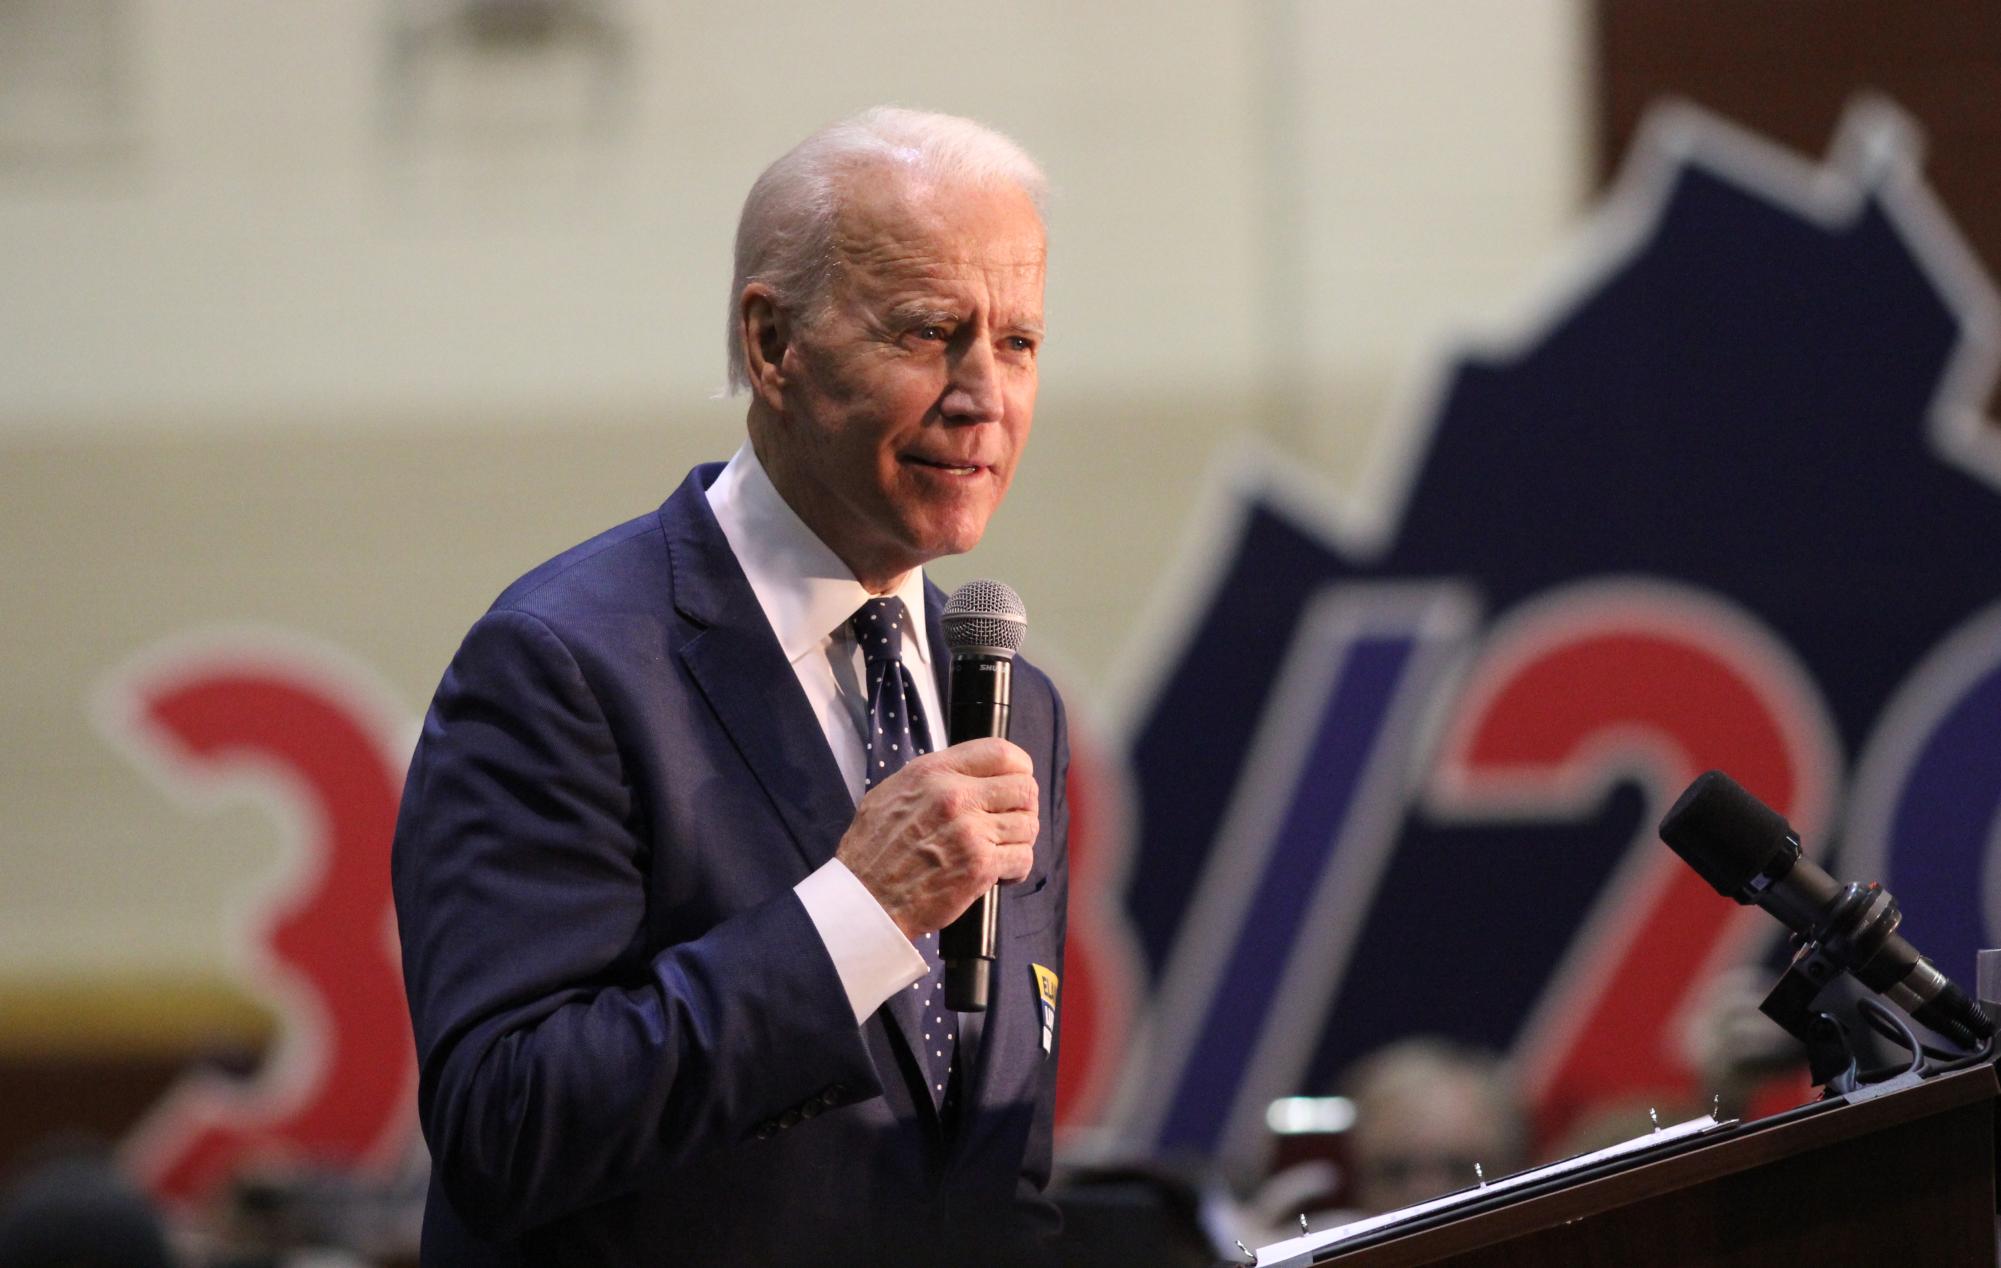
{"points": [[973, 395]]}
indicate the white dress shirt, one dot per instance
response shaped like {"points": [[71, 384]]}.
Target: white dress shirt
{"points": [[808, 594]]}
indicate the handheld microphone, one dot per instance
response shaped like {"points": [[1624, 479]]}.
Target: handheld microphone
{"points": [[984, 625], [1748, 853]]}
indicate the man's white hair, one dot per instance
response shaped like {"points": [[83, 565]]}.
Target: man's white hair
{"points": [[785, 237]]}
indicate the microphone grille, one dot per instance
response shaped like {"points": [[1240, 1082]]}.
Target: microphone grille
{"points": [[1728, 836], [985, 617]]}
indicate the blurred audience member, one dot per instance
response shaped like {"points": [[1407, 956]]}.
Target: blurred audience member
{"points": [[277, 1216], [1741, 1057], [73, 1210], [1426, 1111]]}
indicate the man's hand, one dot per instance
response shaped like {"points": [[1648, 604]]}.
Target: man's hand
{"points": [[943, 830]]}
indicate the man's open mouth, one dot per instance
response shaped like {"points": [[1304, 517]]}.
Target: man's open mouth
{"points": [[937, 465]]}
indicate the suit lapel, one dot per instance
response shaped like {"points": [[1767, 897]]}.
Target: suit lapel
{"points": [[740, 669], [742, 672]]}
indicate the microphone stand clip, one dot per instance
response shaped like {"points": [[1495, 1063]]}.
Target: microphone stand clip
{"points": [[1854, 928]]}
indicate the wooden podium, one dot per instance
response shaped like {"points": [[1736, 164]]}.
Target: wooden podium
{"points": [[1903, 1179]]}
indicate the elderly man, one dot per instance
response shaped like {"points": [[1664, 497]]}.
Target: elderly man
{"points": [[682, 826]]}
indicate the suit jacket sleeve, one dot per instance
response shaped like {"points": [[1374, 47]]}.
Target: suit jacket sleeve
{"points": [[562, 1064]]}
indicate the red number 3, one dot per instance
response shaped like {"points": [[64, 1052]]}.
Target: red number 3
{"points": [[314, 739]]}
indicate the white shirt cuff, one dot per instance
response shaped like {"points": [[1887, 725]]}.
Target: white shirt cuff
{"points": [[870, 953]]}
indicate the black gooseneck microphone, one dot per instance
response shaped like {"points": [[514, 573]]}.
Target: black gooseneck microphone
{"points": [[984, 625], [1750, 854]]}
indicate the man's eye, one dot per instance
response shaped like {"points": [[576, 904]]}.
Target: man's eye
{"points": [[1020, 343], [933, 332]]}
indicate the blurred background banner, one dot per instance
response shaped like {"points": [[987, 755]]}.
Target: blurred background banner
{"points": [[1401, 771], [1461, 423]]}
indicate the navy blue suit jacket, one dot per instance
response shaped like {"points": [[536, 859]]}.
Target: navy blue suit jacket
{"points": [[634, 1046]]}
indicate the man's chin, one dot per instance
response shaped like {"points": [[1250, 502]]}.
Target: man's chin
{"points": [[946, 526], [941, 542]]}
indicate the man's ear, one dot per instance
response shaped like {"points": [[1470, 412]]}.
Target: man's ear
{"points": [[767, 332]]}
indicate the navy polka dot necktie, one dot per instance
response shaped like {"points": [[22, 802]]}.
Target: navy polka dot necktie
{"points": [[896, 733]]}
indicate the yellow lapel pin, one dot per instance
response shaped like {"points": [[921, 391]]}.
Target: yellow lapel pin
{"points": [[1045, 990]]}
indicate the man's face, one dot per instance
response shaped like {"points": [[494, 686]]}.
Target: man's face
{"points": [[904, 405]]}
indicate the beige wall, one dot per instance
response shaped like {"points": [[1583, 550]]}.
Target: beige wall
{"points": [[266, 361]]}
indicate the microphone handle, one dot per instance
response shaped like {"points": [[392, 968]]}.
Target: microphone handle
{"points": [[978, 709]]}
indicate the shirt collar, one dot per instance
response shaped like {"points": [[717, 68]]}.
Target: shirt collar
{"points": [[806, 592]]}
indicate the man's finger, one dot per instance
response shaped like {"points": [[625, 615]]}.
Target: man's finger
{"points": [[1016, 828], [1001, 793], [989, 756], [1014, 861]]}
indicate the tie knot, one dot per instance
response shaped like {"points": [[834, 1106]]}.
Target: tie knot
{"points": [[878, 627]]}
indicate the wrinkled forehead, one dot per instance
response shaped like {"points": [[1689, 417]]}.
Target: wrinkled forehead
{"points": [[889, 219]]}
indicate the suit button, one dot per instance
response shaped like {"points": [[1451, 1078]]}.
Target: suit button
{"points": [[810, 1108], [763, 1130], [832, 1096], [790, 1118]]}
